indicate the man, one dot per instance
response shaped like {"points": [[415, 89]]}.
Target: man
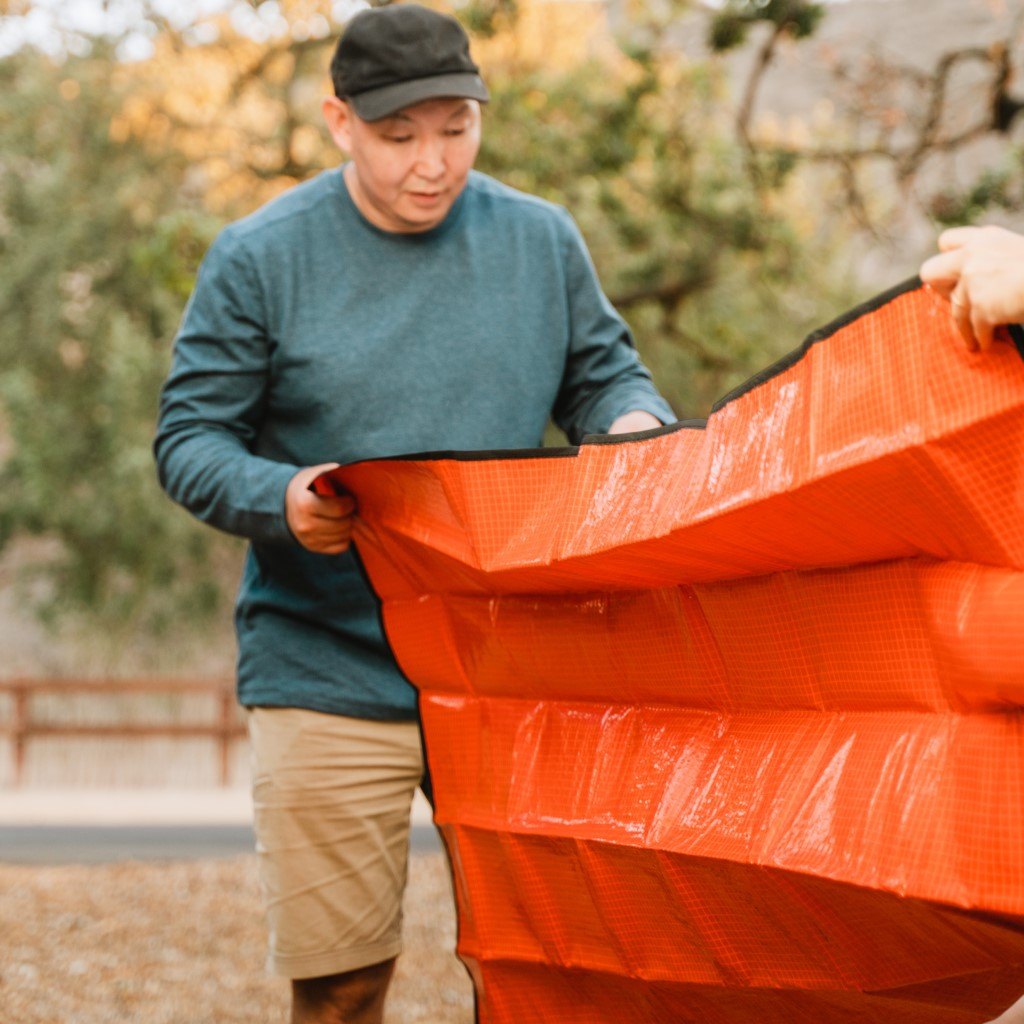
{"points": [[402, 303]]}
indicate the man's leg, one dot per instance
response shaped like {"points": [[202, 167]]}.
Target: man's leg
{"points": [[356, 997], [331, 798]]}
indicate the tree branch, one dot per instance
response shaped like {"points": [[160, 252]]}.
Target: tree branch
{"points": [[761, 64], [997, 115], [294, 48], [669, 294]]}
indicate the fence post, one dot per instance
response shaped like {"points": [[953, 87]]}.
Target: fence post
{"points": [[222, 730], [227, 707], [20, 733]]}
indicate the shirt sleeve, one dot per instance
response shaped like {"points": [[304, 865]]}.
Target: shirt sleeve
{"points": [[213, 403], [604, 377]]}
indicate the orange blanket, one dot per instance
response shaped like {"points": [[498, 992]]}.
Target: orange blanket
{"points": [[724, 721]]}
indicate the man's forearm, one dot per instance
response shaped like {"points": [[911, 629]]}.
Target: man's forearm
{"points": [[219, 481]]}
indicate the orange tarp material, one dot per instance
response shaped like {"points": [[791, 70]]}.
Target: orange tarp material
{"points": [[724, 721]]}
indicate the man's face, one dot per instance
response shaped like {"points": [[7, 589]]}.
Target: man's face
{"points": [[408, 169]]}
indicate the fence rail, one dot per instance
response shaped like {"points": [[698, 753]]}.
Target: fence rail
{"points": [[22, 726]]}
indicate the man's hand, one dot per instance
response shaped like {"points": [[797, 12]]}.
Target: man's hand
{"points": [[630, 422], [320, 524], [981, 272]]}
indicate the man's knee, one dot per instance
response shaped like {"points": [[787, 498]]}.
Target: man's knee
{"points": [[354, 997]]}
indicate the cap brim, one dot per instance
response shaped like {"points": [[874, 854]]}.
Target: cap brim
{"points": [[389, 99]]}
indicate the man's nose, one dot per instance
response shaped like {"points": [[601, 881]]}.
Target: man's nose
{"points": [[430, 158]]}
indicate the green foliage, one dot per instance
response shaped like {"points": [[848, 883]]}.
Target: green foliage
{"points": [[712, 273], [998, 188], [99, 243], [728, 28], [97, 256], [727, 31], [486, 18], [710, 250]]}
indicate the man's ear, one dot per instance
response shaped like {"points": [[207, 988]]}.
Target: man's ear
{"points": [[338, 116]]}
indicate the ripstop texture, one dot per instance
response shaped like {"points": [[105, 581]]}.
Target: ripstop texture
{"points": [[724, 721]]}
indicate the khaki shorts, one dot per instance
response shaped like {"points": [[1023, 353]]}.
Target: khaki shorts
{"points": [[331, 798]]}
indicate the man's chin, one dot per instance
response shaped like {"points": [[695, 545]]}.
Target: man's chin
{"points": [[419, 218]]}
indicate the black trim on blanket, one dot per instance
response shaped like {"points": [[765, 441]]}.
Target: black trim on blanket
{"points": [[761, 377], [642, 435], [566, 451], [812, 339]]}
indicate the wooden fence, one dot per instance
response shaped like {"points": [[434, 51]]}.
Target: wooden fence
{"points": [[21, 726]]}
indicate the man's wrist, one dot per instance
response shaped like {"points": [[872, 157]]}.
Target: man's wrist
{"points": [[634, 421]]}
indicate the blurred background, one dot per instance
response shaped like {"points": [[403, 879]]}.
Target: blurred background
{"points": [[743, 172]]}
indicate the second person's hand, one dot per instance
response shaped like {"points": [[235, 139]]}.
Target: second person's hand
{"points": [[981, 272]]}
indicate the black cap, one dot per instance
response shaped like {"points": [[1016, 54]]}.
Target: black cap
{"points": [[392, 57]]}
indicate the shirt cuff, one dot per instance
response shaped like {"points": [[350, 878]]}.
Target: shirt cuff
{"points": [[265, 520]]}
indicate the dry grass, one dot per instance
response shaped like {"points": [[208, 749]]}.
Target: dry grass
{"points": [[184, 943]]}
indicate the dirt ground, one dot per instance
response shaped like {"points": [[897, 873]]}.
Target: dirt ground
{"points": [[184, 943]]}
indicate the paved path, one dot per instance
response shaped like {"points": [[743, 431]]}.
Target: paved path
{"points": [[85, 844], [101, 826]]}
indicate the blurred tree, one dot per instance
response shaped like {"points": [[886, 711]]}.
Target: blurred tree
{"points": [[712, 273], [795, 19], [116, 176], [716, 278], [888, 153], [98, 246], [717, 275]]}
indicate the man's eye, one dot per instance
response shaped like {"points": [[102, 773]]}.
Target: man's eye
{"points": [[455, 131], [398, 138]]}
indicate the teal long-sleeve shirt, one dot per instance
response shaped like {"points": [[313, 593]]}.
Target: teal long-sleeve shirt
{"points": [[312, 336]]}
